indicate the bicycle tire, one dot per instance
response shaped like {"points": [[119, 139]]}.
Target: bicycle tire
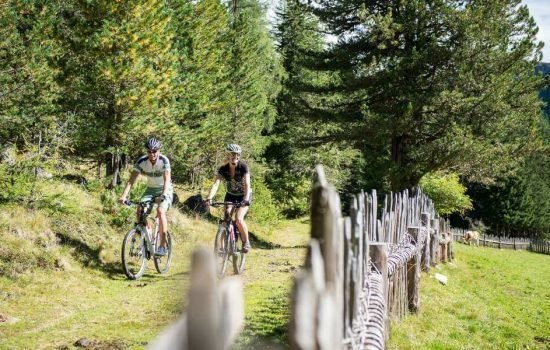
{"points": [[162, 263], [133, 255], [239, 259], [221, 251]]}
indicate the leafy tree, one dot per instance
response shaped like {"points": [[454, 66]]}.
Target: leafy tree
{"points": [[447, 193], [28, 87], [118, 81]]}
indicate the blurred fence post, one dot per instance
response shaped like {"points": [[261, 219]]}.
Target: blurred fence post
{"points": [[215, 312], [413, 272]]}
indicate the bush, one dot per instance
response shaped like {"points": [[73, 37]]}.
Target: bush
{"points": [[446, 192], [263, 209]]}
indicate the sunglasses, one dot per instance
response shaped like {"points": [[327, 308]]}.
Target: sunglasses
{"points": [[152, 150]]}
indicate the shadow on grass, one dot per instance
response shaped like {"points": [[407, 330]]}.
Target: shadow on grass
{"points": [[259, 243], [90, 257]]}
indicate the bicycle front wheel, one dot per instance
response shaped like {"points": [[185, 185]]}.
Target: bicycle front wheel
{"points": [[221, 251], [162, 263], [238, 262], [133, 255]]}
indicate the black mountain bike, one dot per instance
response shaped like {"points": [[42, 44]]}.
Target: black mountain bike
{"points": [[141, 242], [225, 244]]}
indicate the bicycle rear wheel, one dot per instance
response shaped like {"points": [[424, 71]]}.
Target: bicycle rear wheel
{"points": [[162, 263], [221, 251], [133, 254]]}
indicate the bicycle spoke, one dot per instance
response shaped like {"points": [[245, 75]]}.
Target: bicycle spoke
{"points": [[133, 258], [162, 263]]}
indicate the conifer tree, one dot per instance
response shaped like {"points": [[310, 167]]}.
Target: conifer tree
{"points": [[291, 155], [119, 74], [432, 85], [28, 87], [254, 74], [203, 90]]}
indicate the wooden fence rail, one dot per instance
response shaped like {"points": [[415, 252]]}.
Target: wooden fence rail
{"points": [[363, 270]]}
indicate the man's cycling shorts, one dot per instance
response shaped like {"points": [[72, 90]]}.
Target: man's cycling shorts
{"points": [[152, 192]]}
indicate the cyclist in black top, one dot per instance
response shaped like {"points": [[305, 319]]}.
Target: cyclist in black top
{"points": [[237, 183]]}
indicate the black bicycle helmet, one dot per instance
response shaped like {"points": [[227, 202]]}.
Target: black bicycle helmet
{"points": [[233, 148], [152, 144]]}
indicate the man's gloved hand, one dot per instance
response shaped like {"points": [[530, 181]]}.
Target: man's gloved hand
{"points": [[245, 203]]}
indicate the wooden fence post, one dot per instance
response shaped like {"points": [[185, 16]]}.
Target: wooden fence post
{"points": [[215, 311], [434, 241], [309, 284], [425, 220], [379, 257], [348, 285], [356, 212], [203, 310], [450, 247], [326, 226], [413, 273]]}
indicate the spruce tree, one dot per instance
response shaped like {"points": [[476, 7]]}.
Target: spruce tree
{"points": [[430, 85], [254, 76], [293, 153]]}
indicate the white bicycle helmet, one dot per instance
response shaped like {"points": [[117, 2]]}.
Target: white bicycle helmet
{"points": [[152, 144], [233, 148]]}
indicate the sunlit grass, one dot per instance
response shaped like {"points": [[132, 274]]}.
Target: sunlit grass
{"points": [[494, 299], [89, 297]]}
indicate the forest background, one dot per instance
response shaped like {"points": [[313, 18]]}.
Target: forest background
{"points": [[446, 95]]}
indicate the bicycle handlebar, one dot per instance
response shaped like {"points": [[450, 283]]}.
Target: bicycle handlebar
{"points": [[236, 205], [145, 203]]}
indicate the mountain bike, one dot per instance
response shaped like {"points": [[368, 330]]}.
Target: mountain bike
{"points": [[141, 242], [225, 244]]}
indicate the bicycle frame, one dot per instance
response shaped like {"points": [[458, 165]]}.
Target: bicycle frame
{"points": [[228, 220], [135, 252], [225, 244], [148, 236]]}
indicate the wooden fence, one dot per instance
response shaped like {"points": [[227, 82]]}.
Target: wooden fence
{"points": [[540, 246], [363, 270], [535, 245]]}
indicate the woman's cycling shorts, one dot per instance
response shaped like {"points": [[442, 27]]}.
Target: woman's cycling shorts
{"points": [[236, 198]]}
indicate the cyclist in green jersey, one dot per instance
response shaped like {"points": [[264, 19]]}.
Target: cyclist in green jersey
{"points": [[156, 167]]}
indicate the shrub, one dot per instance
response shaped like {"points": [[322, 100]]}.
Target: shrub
{"points": [[263, 209], [447, 193]]}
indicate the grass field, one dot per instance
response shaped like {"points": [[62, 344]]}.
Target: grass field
{"points": [[495, 299]]}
